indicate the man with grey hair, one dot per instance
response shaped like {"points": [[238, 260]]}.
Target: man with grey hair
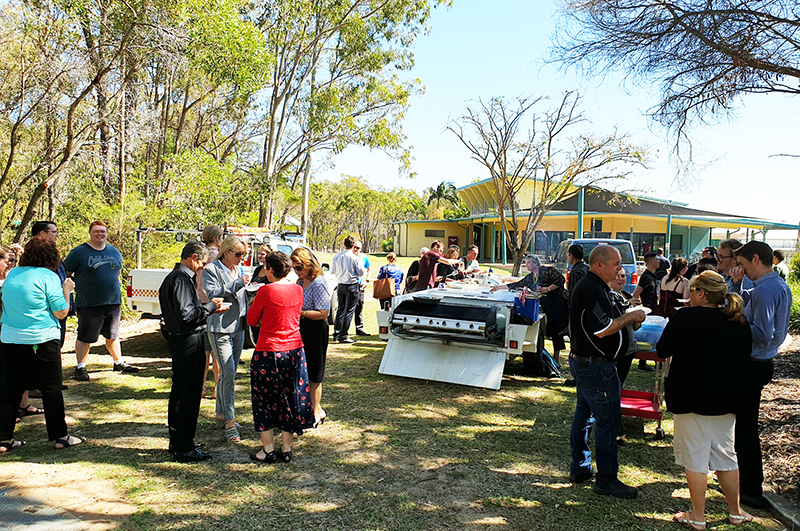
{"points": [[184, 323], [598, 341]]}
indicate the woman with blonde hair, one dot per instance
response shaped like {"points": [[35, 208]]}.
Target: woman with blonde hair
{"points": [[225, 278], [212, 237], [391, 270], [313, 322], [709, 344]]}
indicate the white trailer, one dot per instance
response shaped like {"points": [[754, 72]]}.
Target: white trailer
{"points": [[461, 334]]}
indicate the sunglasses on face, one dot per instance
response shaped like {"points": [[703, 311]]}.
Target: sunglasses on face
{"points": [[721, 258], [239, 255], [298, 268]]}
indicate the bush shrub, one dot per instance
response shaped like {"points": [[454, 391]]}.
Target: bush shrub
{"points": [[794, 316]]}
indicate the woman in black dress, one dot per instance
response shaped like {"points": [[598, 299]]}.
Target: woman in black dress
{"points": [[313, 323], [550, 283]]}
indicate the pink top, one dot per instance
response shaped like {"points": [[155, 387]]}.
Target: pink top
{"points": [[276, 309]]}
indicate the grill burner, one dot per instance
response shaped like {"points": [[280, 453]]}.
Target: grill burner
{"points": [[448, 321]]}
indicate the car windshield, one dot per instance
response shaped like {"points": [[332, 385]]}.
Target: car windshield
{"points": [[624, 249]]}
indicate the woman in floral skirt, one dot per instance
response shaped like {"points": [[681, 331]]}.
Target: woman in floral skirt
{"points": [[281, 393]]}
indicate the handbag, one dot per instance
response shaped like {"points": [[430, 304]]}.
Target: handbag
{"points": [[383, 288]]}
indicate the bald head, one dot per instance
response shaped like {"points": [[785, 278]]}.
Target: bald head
{"points": [[605, 262], [602, 253]]}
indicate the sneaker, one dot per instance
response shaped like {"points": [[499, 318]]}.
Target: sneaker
{"points": [[346, 340], [617, 489], [81, 374], [646, 368], [125, 367], [361, 333]]}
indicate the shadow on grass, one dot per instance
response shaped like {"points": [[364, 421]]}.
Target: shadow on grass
{"points": [[396, 453]]}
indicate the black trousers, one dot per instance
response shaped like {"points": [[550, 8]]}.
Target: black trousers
{"points": [[32, 367], [348, 298], [747, 441], [188, 362]]}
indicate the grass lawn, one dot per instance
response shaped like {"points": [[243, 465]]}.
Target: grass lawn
{"points": [[395, 454]]}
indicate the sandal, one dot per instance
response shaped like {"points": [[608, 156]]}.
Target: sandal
{"points": [[232, 435], [221, 424], [13, 444], [286, 457], [683, 518], [65, 441], [739, 519], [29, 410], [269, 457]]}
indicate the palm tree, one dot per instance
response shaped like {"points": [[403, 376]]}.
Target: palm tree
{"points": [[445, 191]]}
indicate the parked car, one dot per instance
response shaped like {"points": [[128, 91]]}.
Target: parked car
{"points": [[625, 248], [143, 284]]}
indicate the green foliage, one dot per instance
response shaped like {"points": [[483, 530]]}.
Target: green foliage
{"points": [[794, 315], [350, 206], [205, 190], [227, 48], [794, 266], [387, 245]]}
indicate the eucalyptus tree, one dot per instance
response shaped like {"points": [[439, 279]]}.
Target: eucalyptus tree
{"points": [[704, 55], [548, 155], [334, 82]]}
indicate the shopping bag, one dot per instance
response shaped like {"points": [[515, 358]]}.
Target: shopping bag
{"points": [[383, 288]]}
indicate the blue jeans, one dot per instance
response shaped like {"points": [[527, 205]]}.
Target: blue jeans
{"points": [[598, 392], [227, 349], [348, 298]]}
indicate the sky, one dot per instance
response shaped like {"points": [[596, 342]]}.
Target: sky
{"points": [[478, 49]]}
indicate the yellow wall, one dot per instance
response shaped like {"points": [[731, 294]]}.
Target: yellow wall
{"points": [[411, 237]]}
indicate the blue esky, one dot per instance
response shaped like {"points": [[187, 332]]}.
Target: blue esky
{"points": [[479, 49]]}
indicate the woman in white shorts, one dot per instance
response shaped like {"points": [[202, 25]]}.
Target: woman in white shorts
{"points": [[708, 344]]}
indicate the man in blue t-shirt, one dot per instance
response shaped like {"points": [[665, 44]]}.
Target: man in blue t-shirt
{"points": [[96, 266], [363, 282]]}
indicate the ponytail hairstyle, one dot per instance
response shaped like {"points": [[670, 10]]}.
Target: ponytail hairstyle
{"points": [[678, 265], [731, 304]]}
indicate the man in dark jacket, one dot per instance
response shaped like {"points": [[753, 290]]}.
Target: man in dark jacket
{"points": [[184, 321]]}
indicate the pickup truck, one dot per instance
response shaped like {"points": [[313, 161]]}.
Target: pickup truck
{"points": [[624, 247], [143, 284]]}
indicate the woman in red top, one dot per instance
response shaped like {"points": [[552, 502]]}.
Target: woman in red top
{"points": [[278, 374]]}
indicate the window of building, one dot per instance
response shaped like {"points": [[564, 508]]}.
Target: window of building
{"points": [[434, 233]]}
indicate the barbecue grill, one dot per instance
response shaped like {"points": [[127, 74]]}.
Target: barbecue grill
{"points": [[460, 334]]}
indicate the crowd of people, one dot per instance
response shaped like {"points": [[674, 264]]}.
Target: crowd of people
{"points": [[726, 320]]}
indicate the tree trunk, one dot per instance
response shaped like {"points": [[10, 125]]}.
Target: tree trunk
{"points": [[306, 189]]}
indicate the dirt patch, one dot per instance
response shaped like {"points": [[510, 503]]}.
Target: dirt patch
{"points": [[74, 487], [70, 487], [780, 424]]}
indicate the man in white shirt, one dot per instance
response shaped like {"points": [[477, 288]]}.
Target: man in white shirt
{"points": [[348, 269]]}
